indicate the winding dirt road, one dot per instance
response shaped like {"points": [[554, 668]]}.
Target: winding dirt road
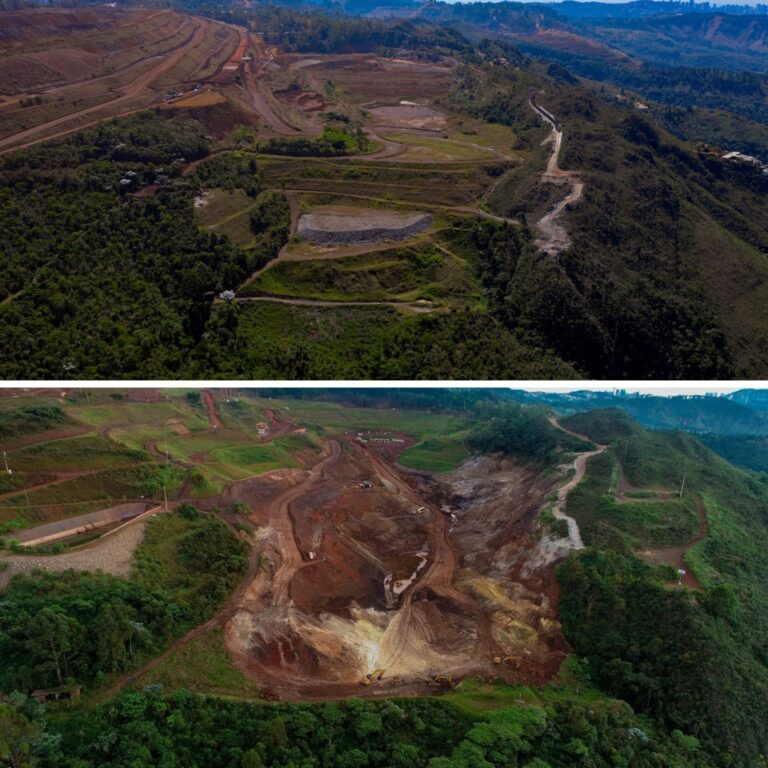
{"points": [[280, 519], [554, 237], [580, 468]]}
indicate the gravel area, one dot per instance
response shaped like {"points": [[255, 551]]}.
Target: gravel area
{"points": [[114, 555], [366, 226]]}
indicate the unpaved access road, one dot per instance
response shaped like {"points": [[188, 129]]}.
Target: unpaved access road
{"points": [[407, 307], [554, 238], [210, 407], [279, 511], [579, 467]]}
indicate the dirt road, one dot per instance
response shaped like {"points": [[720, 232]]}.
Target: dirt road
{"points": [[280, 519], [321, 303], [554, 238], [580, 467], [264, 103], [675, 556], [210, 407]]}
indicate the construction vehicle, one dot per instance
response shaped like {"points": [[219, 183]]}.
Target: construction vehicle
{"points": [[443, 680], [373, 677]]}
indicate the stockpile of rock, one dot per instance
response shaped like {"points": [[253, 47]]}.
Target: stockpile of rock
{"points": [[363, 227]]}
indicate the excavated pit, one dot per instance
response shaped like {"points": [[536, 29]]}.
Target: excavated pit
{"points": [[411, 580]]}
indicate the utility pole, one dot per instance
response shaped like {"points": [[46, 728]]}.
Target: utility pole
{"points": [[7, 468], [165, 497], [682, 486]]}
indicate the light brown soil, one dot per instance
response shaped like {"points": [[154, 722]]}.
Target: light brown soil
{"points": [[365, 579], [408, 116], [113, 555], [117, 90], [554, 237]]}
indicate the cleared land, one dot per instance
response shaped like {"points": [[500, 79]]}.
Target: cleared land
{"points": [[354, 584], [67, 69]]}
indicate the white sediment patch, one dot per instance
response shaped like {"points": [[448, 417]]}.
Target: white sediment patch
{"points": [[400, 586]]}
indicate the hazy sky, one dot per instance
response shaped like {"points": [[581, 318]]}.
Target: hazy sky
{"points": [[616, 2]]}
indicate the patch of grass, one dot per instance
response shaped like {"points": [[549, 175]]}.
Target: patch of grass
{"points": [[28, 419], [138, 413], [400, 274], [87, 452], [86, 494], [332, 418], [435, 455], [226, 213], [423, 149], [446, 184], [256, 459], [641, 494], [198, 560], [203, 666], [605, 522], [476, 697]]}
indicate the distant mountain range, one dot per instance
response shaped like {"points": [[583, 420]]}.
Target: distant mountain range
{"points": [[733, 425], [741, 413]]}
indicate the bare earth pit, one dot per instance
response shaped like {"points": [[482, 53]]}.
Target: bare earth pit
{"points": [[381, 581]]}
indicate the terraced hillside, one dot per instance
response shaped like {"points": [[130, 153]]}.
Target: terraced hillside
{"points": [[62, 70], [555, 229]]}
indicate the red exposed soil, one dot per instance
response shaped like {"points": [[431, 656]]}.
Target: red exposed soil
{"points": [[210, 407], [357, 566], [369, 578]]}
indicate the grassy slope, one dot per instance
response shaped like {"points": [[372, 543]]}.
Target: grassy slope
{"points": [[735, 502], [400, 274], [203, 667]]}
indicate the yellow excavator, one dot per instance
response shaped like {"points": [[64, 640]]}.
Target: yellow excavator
{"points": [[373, 677], [504, 659]]}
